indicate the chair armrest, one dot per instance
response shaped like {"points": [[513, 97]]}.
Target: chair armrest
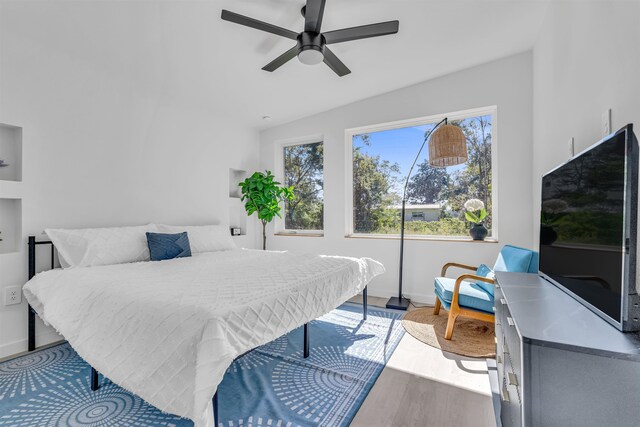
{"points": [[455, 264], [459, 280]]}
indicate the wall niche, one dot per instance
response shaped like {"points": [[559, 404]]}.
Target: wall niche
{"points": [[237, 214], [10, 153], [10, 225]]}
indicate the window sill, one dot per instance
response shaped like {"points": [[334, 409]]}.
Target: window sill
{"points": [[426, 238], [299, 234]]}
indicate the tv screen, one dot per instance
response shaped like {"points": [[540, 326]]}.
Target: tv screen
{"points": [[584, 230]]}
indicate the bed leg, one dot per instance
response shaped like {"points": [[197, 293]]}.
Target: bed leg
{"points": [[364, 303], [215, 409], [306, 341], [31, 341], [94, 379], [31, 344]]}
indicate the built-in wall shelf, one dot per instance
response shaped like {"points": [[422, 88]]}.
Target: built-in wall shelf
{"points": [[10, 225], [237, 215], [10, 188], [10, 153], [235, 177]]}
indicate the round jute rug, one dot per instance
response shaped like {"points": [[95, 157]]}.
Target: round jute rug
{"points": [[471, 337]]}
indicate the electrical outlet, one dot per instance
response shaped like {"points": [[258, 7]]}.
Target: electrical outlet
{"points": [[12, 295], [606, 122], [572, 150]]}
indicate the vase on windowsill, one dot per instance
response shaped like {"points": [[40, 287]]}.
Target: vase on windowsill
{"points": [[478, 231], [475, 214]]}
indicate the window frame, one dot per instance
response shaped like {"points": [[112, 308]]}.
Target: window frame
{"points": [[421, 121], [279, 223]]}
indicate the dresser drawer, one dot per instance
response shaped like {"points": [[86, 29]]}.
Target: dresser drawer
{"points": [[511, 412], [497, 297], [500, 356], [512, 346], [508, 363], [510, 404], [501, 309], [512, 377], [507, 334]]}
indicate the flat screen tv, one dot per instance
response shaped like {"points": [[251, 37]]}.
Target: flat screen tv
{"points": [[588, 228]]}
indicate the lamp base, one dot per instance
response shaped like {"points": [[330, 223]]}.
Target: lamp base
{"points": [[398, 303]]}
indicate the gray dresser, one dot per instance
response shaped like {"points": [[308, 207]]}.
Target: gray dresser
{"points": [[559, 364]]}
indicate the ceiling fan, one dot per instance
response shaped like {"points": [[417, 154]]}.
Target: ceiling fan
{"points": [[311, 45]]}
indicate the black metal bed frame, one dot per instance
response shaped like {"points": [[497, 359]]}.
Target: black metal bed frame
{"points": [[31, 344]]}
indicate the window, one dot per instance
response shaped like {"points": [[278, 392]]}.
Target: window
{"points": [[382, 157], [303, 169], [417, 216]]}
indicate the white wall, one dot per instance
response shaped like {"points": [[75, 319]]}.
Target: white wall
{"points": [[505, 83], [586, 60], [99, 152]]}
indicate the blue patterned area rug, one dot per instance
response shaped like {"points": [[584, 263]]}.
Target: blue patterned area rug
{"points": [[269, 386]]}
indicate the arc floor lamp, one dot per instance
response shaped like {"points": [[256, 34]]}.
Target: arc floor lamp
{"points": [[447, 147]]}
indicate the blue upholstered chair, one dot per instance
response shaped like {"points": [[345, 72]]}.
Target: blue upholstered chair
{"points": [[471, 295]]}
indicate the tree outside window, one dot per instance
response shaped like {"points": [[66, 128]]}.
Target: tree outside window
{"points": [[381, 161], [303, 169]]}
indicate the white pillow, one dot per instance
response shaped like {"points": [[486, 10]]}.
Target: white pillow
{"points": [[88, 247], [203, 238]]}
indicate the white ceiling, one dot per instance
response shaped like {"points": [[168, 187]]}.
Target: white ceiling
{"points": [[182, 50]]}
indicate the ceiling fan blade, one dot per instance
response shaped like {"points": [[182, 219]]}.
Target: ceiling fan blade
{"points": [[334, 63], [314, 10], [362, 32], [282, 59], [258, 25]]}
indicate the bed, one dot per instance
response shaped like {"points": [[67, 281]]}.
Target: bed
{"points": [[167, 331]]}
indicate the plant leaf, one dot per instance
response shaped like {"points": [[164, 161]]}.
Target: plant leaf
{"points": [[471, 217]]}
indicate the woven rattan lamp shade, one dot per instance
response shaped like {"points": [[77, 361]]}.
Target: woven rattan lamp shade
{"points": [[447, 147]]}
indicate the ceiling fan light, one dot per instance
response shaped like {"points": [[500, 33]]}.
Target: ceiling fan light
{"points": [[310, 56]]}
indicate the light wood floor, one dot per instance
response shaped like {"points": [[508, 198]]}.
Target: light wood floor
{"points": [[422, 386]]}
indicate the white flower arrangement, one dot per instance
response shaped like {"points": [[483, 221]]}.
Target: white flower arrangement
{"points": [[473, 205], [475, 211]]}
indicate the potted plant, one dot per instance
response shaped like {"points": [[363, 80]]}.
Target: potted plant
{"points": [[475, 214], [262, 194]]}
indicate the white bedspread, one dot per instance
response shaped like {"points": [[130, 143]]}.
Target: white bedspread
{"points": [[167, 331]]}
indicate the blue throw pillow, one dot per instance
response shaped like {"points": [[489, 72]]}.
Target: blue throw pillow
{"points": [[168, 246], [484, 271]]}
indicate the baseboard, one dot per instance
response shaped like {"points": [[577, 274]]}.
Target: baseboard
{"points": [[16, 347], [421, 298]]}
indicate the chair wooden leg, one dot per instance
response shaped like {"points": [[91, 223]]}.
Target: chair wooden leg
{"points": [[453, 315], [436, 309]]}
